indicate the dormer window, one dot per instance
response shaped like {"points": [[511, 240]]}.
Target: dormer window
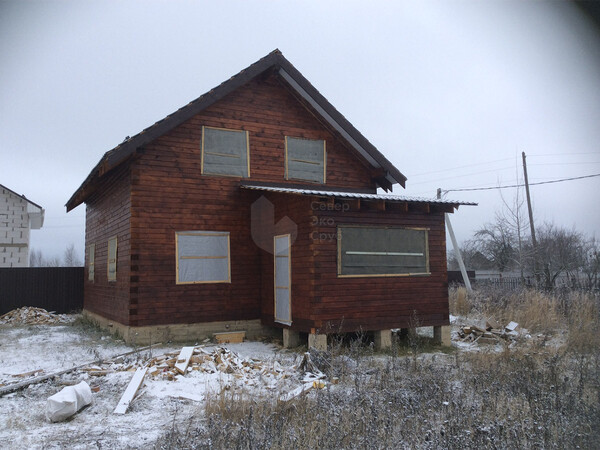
{"points": [[225, 152], [305, 159]]}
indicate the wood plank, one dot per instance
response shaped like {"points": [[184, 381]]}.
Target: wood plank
{"points": [[132, 388], [183, 360]]}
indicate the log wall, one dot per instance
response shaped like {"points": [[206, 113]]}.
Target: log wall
{"points": [[169, 194]]}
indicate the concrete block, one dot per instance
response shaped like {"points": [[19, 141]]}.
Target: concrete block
{"points": [[441, 335], [291, 338], [317, 341], [383, 339]]}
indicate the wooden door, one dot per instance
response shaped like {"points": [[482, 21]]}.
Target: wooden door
{"points": [[283, 279]]}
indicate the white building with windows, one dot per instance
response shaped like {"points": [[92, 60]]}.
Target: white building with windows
{"points": [[18, 216]]}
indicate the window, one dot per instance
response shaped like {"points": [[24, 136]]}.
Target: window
{"points": [[112, 259], [91, 261], [382, 251], [225, 152], [305, 159], [202, 257]]}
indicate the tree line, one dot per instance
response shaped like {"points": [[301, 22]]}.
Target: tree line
{"points": [[69, 259], [505, 245]]}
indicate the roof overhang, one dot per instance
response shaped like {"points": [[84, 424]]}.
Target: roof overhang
{"points": [[342, 195], [388, 173]]}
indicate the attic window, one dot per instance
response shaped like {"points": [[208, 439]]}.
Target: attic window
{"points": [[305, 159], [225, 152], [382, 251], [202, 257]]}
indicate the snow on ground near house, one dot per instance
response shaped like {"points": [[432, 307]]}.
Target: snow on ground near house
{"points": [[159, 404]]}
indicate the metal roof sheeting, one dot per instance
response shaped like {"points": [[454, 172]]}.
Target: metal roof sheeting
{"points": [[354, 195]]}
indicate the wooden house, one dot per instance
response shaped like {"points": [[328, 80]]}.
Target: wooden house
{"points": [[255, 208]]}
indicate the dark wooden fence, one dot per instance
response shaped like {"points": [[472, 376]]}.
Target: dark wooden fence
{"points": [[58, 289]]}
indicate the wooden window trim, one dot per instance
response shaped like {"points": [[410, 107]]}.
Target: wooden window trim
{"points": [[202, 172], [287, 158], [387, 275], [110, 260], [200, 233]]}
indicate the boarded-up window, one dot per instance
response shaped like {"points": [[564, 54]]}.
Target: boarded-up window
{"points": [[202, 257], [376, 251], [305, 159], [225, 152], [112, 259], [91, 261]]}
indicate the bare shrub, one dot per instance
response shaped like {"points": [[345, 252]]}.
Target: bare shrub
{"points": [[584, 323], [535, 310], [459, 301], [508, 400]]}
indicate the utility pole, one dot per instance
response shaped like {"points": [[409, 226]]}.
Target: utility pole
{"points": [[461, 264], [533, 240]]}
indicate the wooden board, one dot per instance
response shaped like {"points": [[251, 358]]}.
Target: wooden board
{"points": [[183, 360], [132, 388], [232, 337]]}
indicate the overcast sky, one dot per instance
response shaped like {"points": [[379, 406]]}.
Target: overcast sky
{"points": [[450, 91]]}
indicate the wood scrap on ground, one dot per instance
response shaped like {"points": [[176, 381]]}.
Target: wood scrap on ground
{"points": [[183, 360], [491, 332], [23, 384], [30, 315], [131, 390]]}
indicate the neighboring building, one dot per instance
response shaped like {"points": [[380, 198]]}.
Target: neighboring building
{"points": [[18, 215], [255, 207]]}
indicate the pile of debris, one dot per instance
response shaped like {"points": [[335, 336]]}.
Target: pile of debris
{"points": [[491, 332], [169, 366], [29, 315]]}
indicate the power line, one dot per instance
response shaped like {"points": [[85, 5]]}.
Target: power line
{"points": [[521, 185]]}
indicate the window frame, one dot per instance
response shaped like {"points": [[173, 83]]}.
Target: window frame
{"points": [[202, 233], [91, 262], [287, 159], [112, 261], [340, 273], [202, 153]]}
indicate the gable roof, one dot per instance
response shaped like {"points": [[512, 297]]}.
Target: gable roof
{"points": [[273, 61]]}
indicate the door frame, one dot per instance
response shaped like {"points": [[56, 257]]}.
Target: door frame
{"points": [[283, 320]]}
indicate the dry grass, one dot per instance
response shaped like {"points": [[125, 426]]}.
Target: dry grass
{"points": [[523, 397], [514, 399]]}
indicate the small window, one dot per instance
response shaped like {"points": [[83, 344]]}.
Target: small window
{"points": [[305, 159], [382, 251], [202, 257], [112, 259], [91, 261], [225, 152]]}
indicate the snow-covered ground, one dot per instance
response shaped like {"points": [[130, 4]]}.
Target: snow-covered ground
{"points": [[159, 404]]}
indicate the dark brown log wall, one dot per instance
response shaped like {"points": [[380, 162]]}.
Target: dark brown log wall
{"points": [[374, 303], [169, 194], [107, 215]]}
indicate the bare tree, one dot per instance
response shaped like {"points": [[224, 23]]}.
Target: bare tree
{"points": [[559, 251], [591, 263], [71, 259], [495, 241], [35, 258]]}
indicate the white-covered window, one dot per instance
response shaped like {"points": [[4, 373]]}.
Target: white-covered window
{"points": [[112, 259], [382, 251], [225, 152], [202, 257], [305, 159]]}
